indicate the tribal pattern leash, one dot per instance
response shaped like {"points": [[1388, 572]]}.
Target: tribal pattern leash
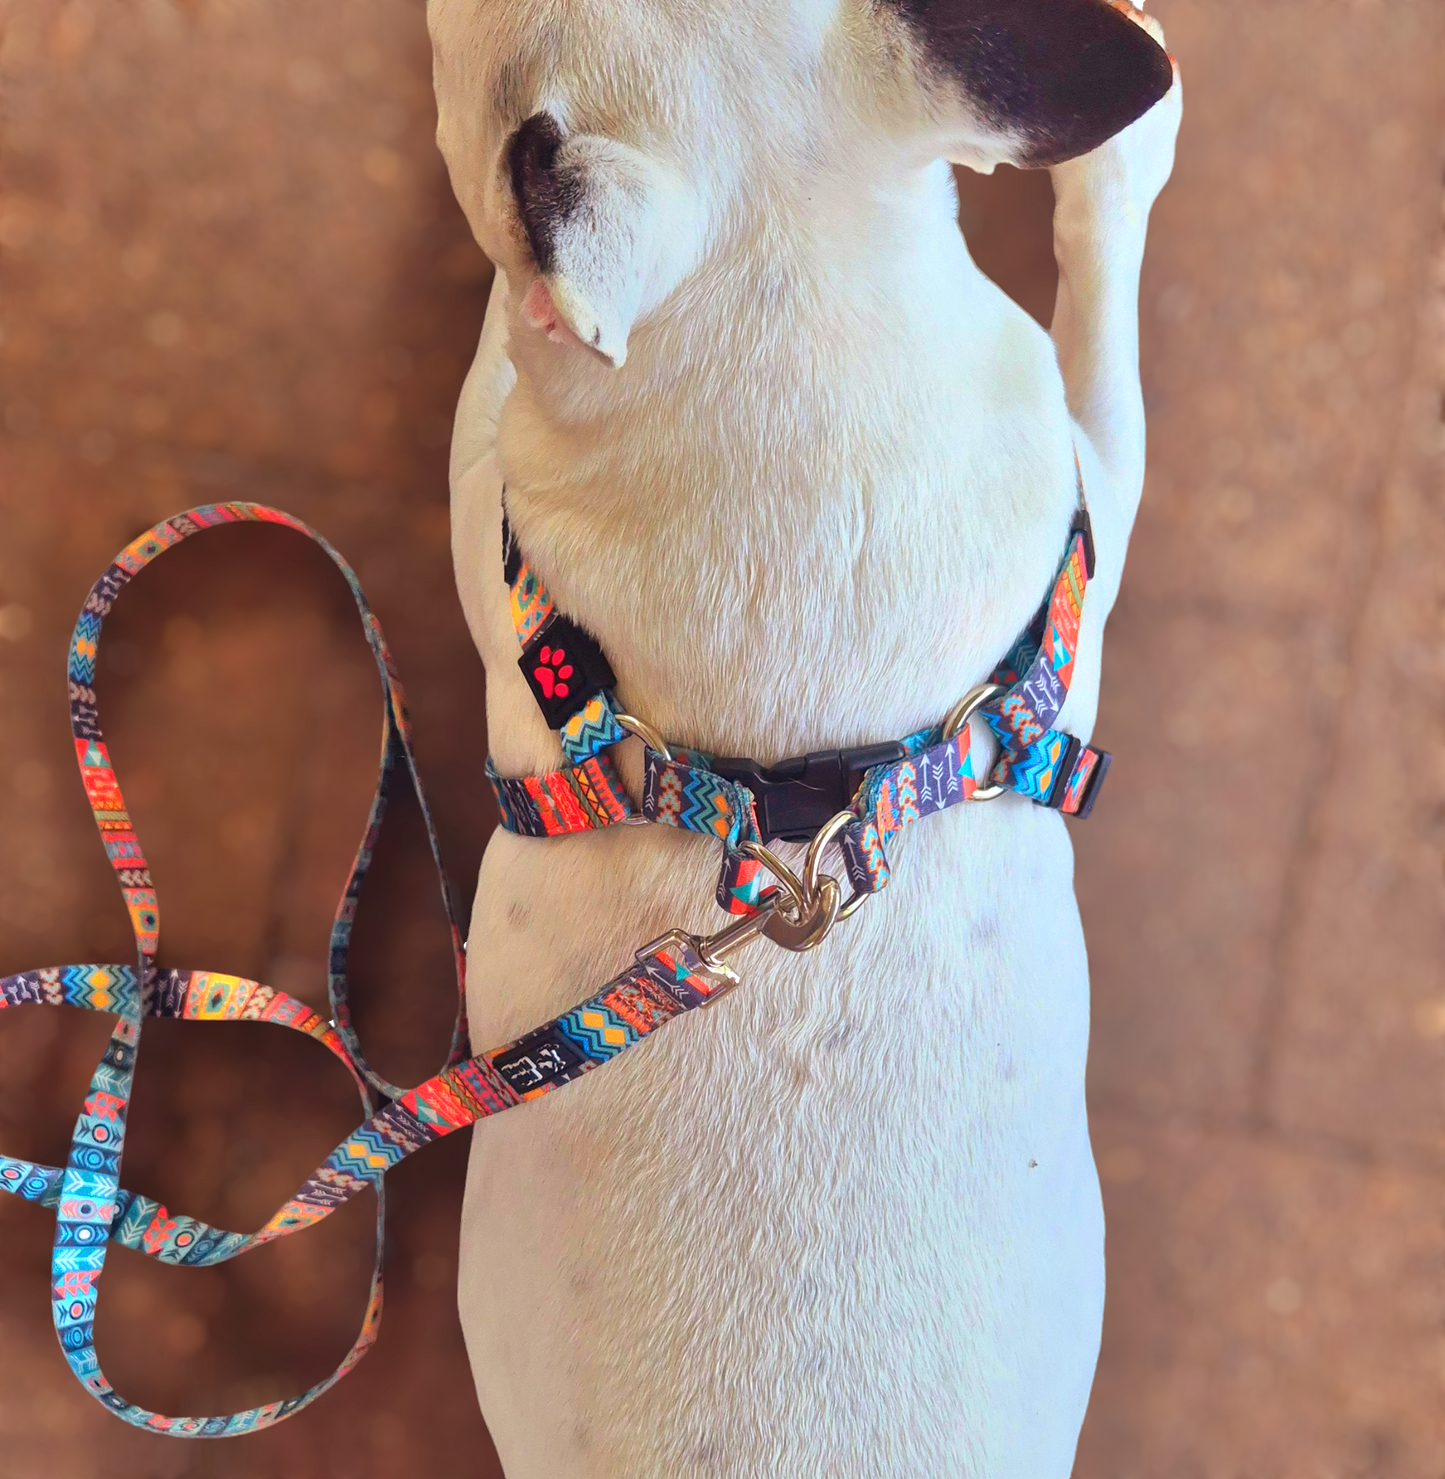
{"points": [[93, 1209]]}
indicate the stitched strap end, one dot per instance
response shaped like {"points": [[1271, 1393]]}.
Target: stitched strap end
{"points": [[1086, 779]]}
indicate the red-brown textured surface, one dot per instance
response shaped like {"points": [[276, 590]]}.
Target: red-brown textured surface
{"points": [[1262, 893], [232, 268]]}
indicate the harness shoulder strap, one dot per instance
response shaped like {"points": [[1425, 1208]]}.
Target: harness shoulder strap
{"points": [[562, 662]]}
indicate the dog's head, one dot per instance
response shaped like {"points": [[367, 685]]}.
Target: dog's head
{"points": [[602, 148]]}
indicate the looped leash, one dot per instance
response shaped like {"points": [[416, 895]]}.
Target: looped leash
{"points": [[668, 978], [92, 1209]]}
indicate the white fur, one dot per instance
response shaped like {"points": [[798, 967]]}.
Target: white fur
{"points": [[846, 1222]]}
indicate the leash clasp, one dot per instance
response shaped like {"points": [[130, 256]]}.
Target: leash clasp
{"points": [[797, 915], [713, 950], [780, 918]]}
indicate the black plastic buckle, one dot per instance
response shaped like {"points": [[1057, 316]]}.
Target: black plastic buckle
{"points": [[797, 796]]}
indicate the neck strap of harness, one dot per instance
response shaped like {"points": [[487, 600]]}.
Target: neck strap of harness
{"points": [[746, 805]]}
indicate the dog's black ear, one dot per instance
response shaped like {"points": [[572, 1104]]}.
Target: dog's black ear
{"points": [[1040, 80], [611, 230], [546, 192]]}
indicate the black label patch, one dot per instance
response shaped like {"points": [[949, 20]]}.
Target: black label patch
{"points": [[540, 1059]]}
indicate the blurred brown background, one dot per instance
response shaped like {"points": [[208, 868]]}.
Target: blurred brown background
{"points": [[233, 269]]}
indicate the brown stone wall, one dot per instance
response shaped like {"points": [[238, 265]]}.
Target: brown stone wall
{"points": [[231, 267]]}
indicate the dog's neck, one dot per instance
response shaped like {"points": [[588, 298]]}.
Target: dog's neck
{"points": [[819, 499]]}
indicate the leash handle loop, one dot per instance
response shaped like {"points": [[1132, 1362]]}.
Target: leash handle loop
{"points": [[92, 1209]]}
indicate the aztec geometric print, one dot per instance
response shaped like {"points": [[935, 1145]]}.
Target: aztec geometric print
{"points": [[1042, 764], [580, 798], [92, 1208], [667, 979], [592, 729], [584, 728], [1028, 710], [682, 791]]}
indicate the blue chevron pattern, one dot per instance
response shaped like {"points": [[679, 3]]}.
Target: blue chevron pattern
{"points": [[99, 988], [591, 730], [366, 1153], [1034, 770], [598, 1030], [709, 804], [83, 644]]}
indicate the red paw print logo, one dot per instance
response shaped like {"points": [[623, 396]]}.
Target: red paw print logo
{"points": [[552, 672]]}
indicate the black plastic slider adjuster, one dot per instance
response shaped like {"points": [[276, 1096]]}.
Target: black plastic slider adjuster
{"points": [[564, 667], [796, 797], [1084, 525]]}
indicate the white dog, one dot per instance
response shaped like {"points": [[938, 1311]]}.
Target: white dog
{"points": [[768, 434]]}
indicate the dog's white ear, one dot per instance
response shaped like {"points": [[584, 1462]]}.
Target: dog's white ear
{"points": [[611, 230], [1029, 82]]}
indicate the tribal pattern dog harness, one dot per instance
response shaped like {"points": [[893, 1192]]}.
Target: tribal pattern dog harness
{"points": [[573, 683], [739, 801]]}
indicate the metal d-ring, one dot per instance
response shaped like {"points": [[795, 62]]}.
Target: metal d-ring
{"points": [[960, 714], [792, 884], [811, 910], [646, 733], [833, 828]]}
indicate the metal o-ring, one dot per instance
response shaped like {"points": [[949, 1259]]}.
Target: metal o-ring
{"points": [[831, 829], [819, 845], [646, 733], [968, 706], [960, 714], [855, 902]]}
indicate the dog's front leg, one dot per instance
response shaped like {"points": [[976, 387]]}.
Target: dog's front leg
{"points": [[1101, 213]]}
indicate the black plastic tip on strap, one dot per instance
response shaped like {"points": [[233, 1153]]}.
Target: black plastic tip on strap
{"points": [[511, 553], [1084, 525]]}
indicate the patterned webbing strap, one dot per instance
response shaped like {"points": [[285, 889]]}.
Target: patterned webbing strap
{"points": [[1049, 767], [685, 792], [90, 1204], [566, 670], [578, 798], [666, 980]]}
